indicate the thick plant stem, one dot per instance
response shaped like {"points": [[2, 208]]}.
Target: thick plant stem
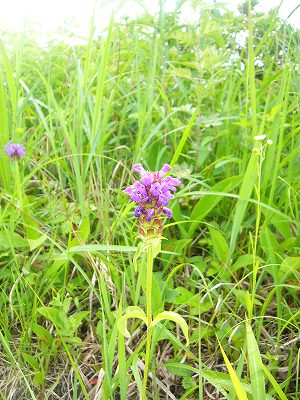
{"points": [[149, 316]]}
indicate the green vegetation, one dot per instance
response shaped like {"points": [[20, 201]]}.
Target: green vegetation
{"points": [[154, 90]]}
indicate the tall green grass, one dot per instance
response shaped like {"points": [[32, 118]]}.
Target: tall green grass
{"points": [[152, 90]]}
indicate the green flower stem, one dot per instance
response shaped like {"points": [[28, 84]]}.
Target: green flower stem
{"points": [[17, 184], [149, 316]]}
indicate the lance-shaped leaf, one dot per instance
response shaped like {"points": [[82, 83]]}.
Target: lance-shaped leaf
{"points": [[172, 316], [255, 362], [239, 390], [131, 312], [156, 245]]}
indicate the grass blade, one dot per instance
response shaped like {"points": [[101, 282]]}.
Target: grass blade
{"points": [[256, 373], [240, 392]]}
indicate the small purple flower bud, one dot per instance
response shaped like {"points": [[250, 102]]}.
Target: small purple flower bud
{"points": [[165, 168], [168, 212], [172, 181], [138, 168], [168, 195], [138, 212], [162, 201], [150, 213], [14, 150]]}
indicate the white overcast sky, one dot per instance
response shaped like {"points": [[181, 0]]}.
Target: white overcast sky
{"points": [[48, 15]]}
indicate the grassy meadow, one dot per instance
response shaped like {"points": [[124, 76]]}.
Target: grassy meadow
{"points": [[218, 100]]}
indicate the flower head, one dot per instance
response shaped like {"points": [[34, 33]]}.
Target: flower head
{"points": [[152, 194], [14, 150]]}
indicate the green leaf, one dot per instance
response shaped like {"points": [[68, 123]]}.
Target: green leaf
{"points": [[35, 243], [209, 201], [172, 316], [76, 319], [184, 295], [43, 334], [243, 297], [274, 111], [188, 383], [31, 225], [39, 378], [239, 390], [156, 245], [244, 196], [131, 312], [106, 247], [12, 239], [58, 317], [102, 247], [219, 244], [244, 260], [177, 246], [82, 233], [176, 368], [31, 361], [256, 372], [223, 381], [274, 383], [184, 137], [289, 265]]}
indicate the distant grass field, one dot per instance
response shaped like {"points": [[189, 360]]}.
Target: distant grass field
{"points": [[226, 117]]}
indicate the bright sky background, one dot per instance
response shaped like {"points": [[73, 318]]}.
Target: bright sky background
{"points": [[48, 15]]}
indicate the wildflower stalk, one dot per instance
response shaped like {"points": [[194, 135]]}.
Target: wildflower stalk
{"points": [[149, 316], [17, 184], [254, 242], [16, 151], [151, 195]]}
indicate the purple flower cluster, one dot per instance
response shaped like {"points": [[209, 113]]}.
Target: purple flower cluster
{"points": [[14, 150], [152, 193]]}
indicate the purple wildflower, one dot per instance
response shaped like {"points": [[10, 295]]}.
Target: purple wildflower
{"points": [[152, 195], [14, 150]]}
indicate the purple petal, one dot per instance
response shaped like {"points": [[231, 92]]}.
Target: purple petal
{"points": [[14, 150], [168, 212], [138, 168], [147, 178], [155, 189], [162, 201], [165, 168], [172, 181], [135, 197], [140, 188], [150, 213], [138, 212], [19, 149], [9, 148], [128, 190]]}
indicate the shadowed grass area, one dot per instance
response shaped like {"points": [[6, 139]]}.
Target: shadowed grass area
{"points": [[225, 115]]}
